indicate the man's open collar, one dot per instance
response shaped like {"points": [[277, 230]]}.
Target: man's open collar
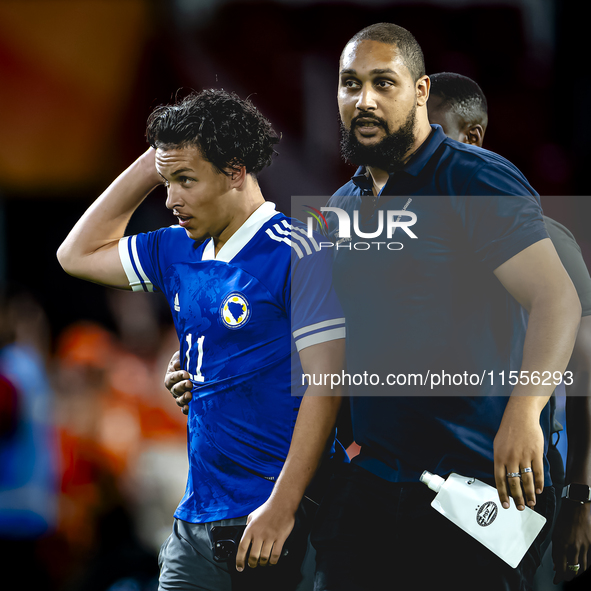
{"points": [[414, 166]]}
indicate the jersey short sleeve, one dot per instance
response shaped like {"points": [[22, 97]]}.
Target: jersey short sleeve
{"points": [[501, 217], [316, 313], [145, 256]]}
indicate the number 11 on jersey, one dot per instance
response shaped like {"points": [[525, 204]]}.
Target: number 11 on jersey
{"points": [[197, 376]]}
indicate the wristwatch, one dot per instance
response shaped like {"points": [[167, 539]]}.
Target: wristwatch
{"points": [[580, 493]]}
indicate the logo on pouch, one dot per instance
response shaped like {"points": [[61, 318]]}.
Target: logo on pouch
{"points": [[487, 513], [235, 310]]}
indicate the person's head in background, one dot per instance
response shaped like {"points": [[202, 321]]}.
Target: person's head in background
{"points": [[458, 104]]}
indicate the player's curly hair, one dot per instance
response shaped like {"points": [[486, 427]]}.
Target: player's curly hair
{"points": [[229, 132]]}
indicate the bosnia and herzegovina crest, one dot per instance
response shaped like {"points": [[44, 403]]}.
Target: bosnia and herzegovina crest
{"points": [[235, 310]]}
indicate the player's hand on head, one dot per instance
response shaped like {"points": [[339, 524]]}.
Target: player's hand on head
{"points": [[518, 460], [267, 529], [148, 162], [178, 383]]}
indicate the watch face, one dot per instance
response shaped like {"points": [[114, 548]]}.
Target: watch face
{"points": [[578, 492]]}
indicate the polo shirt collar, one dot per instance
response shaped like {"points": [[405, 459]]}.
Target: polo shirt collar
{"points": [[414, 166]]}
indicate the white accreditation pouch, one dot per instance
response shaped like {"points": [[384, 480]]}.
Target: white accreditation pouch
{"points": [[475, 507]]}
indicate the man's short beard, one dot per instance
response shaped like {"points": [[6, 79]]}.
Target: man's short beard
{"points": [[388, 154]]}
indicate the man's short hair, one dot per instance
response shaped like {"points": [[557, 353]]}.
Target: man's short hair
{"points": [[228, 131], [407, 45], [462, 96]]}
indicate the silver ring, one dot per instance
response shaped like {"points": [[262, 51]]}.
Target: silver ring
{"points": [[513, 474], [573, 567], [526, 470]]}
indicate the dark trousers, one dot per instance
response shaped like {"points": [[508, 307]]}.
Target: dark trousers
{"points": [[187, 564], [370, 534]]}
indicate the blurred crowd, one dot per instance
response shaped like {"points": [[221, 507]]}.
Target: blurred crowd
{"points": [[92, 448]]}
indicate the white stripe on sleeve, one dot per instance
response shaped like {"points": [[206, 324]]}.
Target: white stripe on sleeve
{"points": [[320, 337], [136, 282], [297, 249], [317, 326], [303, 233]]}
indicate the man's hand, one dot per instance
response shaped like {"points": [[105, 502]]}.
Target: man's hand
{"points": [[267, 529], [519, 444], [571, 540], [178, 382]]}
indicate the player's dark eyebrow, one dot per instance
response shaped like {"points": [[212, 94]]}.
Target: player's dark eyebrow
{"points": [[373, 72], [180, 171], [176, 172], [383, 71]]}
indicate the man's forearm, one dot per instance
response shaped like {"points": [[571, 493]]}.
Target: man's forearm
{"points": [[519, 443], [104, 223], [548, 346], [270, 525], [578, 421], [549, 342], [578, 408], [315, 424], [572, 531]]}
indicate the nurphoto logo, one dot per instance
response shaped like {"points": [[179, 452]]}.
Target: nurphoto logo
{"points": [[393, 218]]}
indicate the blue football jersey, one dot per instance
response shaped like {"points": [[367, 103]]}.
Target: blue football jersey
{"points": [[241, 318]]}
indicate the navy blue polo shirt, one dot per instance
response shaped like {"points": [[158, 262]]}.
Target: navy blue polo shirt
{"points": [[431, 306]]}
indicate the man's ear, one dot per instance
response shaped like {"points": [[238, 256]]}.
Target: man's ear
{"points": [[423, 86], [237, 176], [475, 135]]}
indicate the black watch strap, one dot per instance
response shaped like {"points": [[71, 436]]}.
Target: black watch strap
{"points": [[577, 492]]}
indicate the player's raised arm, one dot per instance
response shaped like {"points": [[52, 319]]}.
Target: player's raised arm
{"points": [[90, 249]]}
